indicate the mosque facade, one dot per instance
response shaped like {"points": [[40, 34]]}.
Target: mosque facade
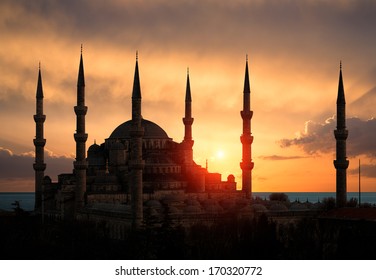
{"points": [[138, 169]]}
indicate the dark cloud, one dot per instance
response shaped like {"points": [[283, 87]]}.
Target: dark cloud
{"points": [[319, 137], [20, 166], [212, 25], [366, 104], [367, 170], [277, 157], [14, 101], [17, 166]]}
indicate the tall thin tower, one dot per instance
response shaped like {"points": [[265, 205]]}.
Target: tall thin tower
{"points": [[136, 163], [246, 138], [341, 163], [188, 121], [39, 143], [80, 164]]}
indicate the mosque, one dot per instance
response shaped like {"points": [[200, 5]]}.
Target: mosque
{"points": [[140, 173], [138, 169]]}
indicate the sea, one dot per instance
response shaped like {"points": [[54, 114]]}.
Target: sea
{"points": [[26, 199]]}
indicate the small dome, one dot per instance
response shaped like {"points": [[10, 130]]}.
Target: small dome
{"points": [[297, 206], [259, 208], [47, 180], [278, 207], [317, 205], [247, 209], [94, 148], [151, 131], [231, 178]]}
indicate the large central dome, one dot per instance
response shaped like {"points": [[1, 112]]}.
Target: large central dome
{"points": [[152, 131]]}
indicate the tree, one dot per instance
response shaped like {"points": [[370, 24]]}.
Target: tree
{"points": [[278, 197]]}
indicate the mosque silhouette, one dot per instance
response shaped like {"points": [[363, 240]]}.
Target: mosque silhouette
{"points": [[140, 172]]}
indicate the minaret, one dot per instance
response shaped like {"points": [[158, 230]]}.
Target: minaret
{"points": [[188, 121], [246, 138], [39, 143], [341, 163], [136, 164], [80, 165]]}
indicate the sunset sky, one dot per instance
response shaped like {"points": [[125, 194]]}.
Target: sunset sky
{"points": [[294, 49]]}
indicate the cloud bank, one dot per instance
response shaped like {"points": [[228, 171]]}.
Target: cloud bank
{"points": [[319, 137], [278, 157], [366, 170], [17, 173]]}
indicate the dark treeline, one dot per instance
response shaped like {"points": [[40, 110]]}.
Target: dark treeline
{"points": [[26, 238]]}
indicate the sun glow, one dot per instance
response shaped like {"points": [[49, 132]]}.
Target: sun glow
{"points": [[220, 154]]}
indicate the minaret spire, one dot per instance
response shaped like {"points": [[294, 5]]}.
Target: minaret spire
{"points": [[246, 90], [39, 143], [341, 133], [188, 97], [39, 86], [81, 76], [188, 121], [136, 163], [341, 91], [246, 138], [136, 93], [80, 164]]}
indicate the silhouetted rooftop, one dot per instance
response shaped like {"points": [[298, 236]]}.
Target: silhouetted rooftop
{"points": [[152, 131]]}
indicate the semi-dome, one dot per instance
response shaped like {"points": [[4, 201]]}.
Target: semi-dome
{"points": [[151, 131], [259, 207]]}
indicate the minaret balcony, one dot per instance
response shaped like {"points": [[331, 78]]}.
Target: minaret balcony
{"points": [[80, 165], [39, 142], [341, 134], [246, 139], [39, 166], [188, 121], [80, 137], [80, 110], [341, 163], [247, 165], [246, 115], [39, 118]]}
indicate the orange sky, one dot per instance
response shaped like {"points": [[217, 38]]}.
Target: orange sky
{"points": [[294, 50]]}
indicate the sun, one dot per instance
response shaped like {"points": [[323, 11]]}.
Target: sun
{"points": [[220, 154]]}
